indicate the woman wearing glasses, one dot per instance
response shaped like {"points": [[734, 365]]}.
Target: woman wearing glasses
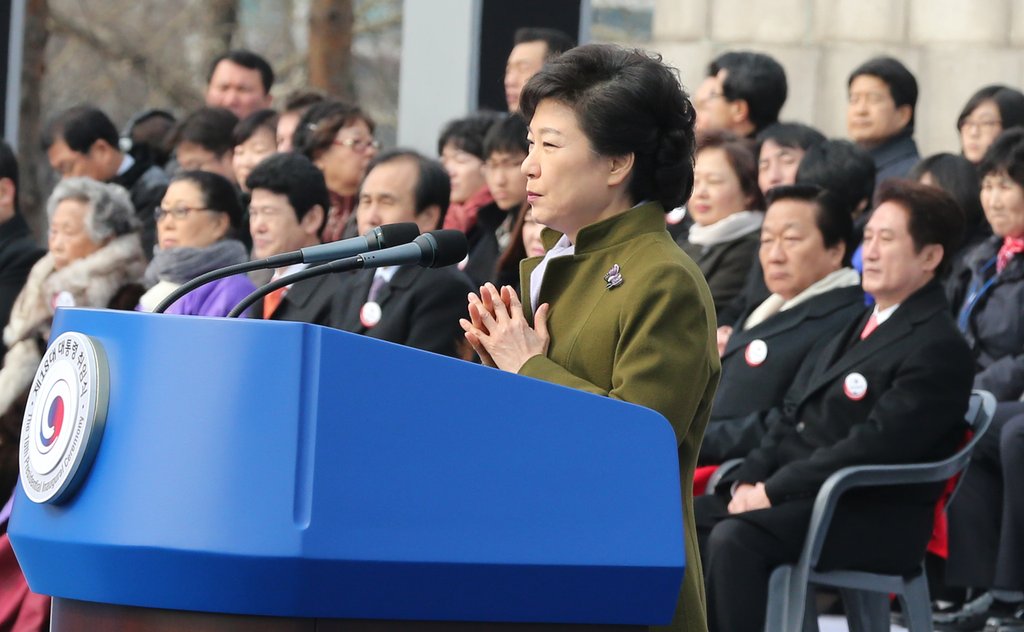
{"points": [[614, 308], [338, 139], [988, 112], [196, 227]]}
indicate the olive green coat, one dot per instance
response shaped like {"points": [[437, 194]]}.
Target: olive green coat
{"points": [[649, 341]]}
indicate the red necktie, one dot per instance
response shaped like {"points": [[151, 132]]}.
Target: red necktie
{"points": [[870, 327], [1011, 246], [272, 300]]}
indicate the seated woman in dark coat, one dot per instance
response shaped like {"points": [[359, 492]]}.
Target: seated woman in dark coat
{"points": [[805, 255], [726, 206]]}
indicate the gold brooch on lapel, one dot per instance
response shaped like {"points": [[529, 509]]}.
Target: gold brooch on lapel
{"points": [[614, 277]]}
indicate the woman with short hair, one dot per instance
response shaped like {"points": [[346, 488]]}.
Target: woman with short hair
{"points": [[614, 307], [197, 225]]}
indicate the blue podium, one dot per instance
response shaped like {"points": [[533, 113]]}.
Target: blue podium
{"points": [[290, 471]]}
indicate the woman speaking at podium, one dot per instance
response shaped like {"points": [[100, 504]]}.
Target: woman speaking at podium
{"points": [[623, 312]]}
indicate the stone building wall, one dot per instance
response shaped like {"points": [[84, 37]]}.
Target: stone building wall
{"points": [[953, 47]]}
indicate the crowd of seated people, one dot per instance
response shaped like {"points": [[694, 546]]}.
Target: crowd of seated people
{"points": [[805, 243]]}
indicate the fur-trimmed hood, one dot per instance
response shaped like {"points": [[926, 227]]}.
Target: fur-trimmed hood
{"points": [[88, 282]]}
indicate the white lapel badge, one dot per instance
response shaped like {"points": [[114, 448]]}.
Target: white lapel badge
{"points": [[613, 278]]}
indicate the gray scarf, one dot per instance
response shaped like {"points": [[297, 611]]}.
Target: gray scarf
{"points": [[180, 265]]}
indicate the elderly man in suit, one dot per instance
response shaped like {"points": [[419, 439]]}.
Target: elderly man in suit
{"points": [[805, 254], [892, 387], [287, 212], [414, 306]]}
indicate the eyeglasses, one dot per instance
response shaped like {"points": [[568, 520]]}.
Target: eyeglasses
{"points": [[358, 145], [711, 96], [493, 166], [178, 212], [268, 212], [983, 124]]}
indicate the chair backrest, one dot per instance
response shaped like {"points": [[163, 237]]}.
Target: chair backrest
{"points": [[980, 410]]}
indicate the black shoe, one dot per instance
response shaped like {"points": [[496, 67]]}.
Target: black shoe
{"points": [[1012, 623], [974, 615]]}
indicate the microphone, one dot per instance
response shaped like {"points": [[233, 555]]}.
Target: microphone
{"points": [[435, 249], [375, 239]]}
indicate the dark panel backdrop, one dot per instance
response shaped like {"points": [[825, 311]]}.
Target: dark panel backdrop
{"points": [[5, 39], [498, 24]]}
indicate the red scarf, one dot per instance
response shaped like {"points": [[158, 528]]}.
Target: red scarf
{"points": [[462, 216], [337, 216], [1011, 246]]}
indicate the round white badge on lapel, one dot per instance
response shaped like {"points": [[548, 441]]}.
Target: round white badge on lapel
{"points": [[370, 314], [855, 386], [756, 352]]}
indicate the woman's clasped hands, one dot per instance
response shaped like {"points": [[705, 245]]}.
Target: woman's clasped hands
{"points": [[498, 331]]}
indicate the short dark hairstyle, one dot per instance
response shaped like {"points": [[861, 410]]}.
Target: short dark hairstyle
{"points": [[556, 41], [246, 59], [433, 186], [9, 168], [207, 127], [301, 100], [1009, 102], [901, 82], [295, 177], [831, 215], [739, 153], [260, 119], [318, 126], [467, 134], [793, 135], [80, 127], [218, 194], [149, 129], [626, 102], [842, 168], [507, 135], [957, 176], [933, 216], [755, 78], [1006, 153]]}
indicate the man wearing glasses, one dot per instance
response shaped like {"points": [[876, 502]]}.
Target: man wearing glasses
{"points": [[742, 93]]}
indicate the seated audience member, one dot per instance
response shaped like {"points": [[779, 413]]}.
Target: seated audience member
{"points": [[149, 129], [534, 46], [742, 93], [287, 212], [842, 169], [197, 226], [338, 138], [202, 141], [987, 114], [504, 151], [986, 517], [95, 260], [891, 387], [958, 177], [814, 293], [783, 146], [409, 305], [726, 206], [297, 104], [525, 242], [18, 249], [461, 149], [255, 139], [82, 141], [240, 81], [880, 115]]}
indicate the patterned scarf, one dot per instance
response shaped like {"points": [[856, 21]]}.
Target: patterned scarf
{"points": [[1011, 247]]}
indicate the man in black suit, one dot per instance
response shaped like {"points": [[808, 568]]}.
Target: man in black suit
{"points": [[890, 388], [287, 212], [82, 141], [805, 254], [414, 306], [18, 251]]}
